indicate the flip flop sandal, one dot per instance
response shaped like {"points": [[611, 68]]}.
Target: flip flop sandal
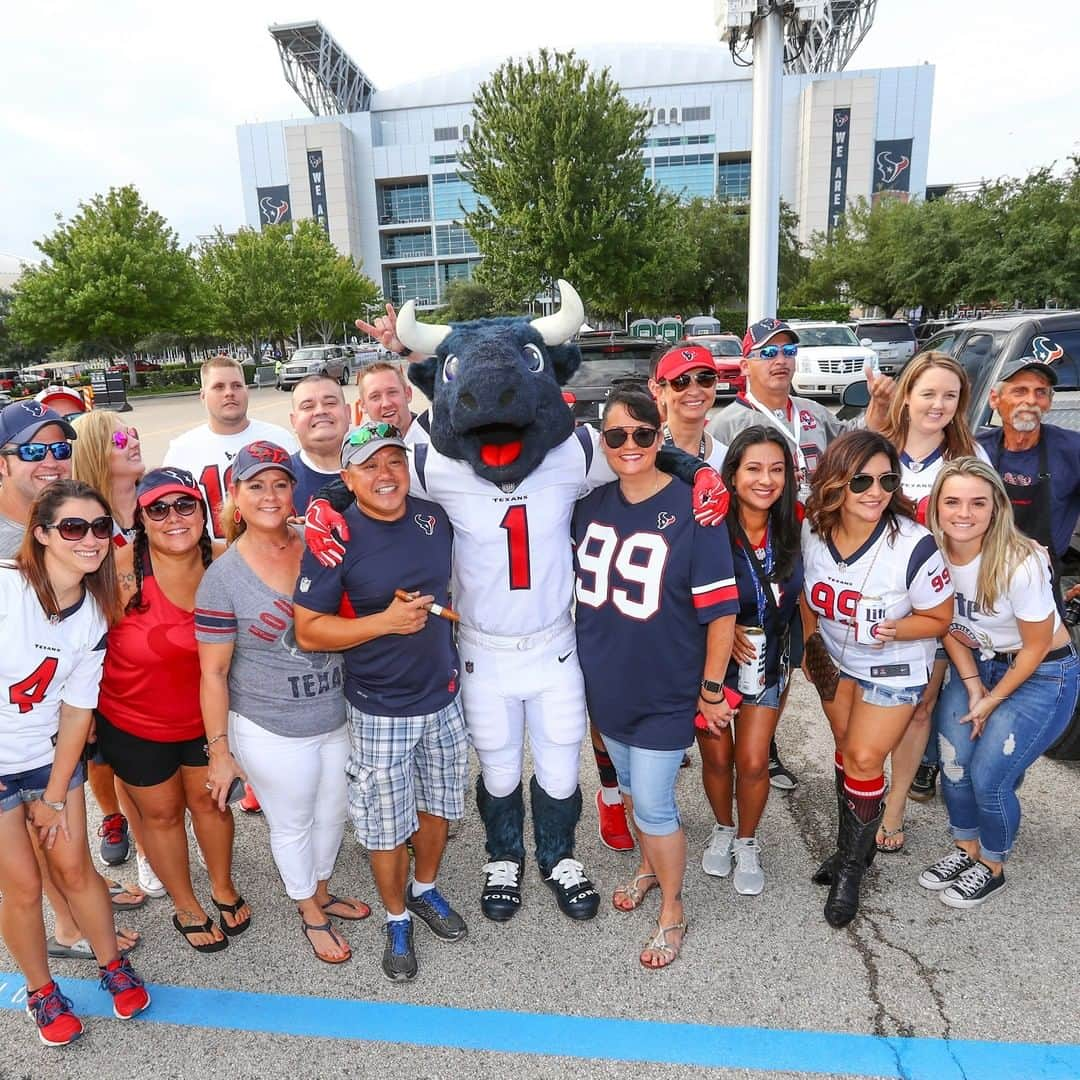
{"points": [[325, 928], [659, 943], [200, 928], [887, 834], [231, 909], [633, 892], [116, 890], [362, 909], [77, 950]]}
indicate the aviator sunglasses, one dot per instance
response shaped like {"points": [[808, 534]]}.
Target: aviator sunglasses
{"points": [[77, 528], [36, 451], [617, 436], [159, 509], [770, 352], [363, 435], [704, 379], [861, 482], [122, 438]]}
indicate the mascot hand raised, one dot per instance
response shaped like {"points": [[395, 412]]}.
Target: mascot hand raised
{"points": [[711, 498], [322, 522]]}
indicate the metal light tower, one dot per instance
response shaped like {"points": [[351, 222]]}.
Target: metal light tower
{"points": [[801, 36]]}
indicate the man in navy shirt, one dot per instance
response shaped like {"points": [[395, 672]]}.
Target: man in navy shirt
{"points": [[407, 767], [320, 418]]}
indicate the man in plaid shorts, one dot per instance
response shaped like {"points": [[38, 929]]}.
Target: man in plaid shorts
{"points": [[408, 762]]}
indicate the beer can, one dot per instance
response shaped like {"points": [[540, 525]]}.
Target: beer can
{"points": [[869, 612], [752, 673]]}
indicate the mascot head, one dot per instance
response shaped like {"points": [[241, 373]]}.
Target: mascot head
{"points": [[494, 386]]}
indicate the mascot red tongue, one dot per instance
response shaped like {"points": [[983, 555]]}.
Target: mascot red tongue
{"points": [[499, 456]]}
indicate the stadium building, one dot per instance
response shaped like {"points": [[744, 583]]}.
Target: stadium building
{"points": [[378, 167]]}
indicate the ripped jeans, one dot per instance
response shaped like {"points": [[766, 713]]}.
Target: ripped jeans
{"points": [[979, 777]]}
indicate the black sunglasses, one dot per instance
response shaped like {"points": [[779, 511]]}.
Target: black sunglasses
{"points": [[617, 436], [861, 482], [704, 379], [36, 451], [159, 510], [77, 528]]}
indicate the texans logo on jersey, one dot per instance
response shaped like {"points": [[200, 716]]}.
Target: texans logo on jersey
{"points": [[807, 420], [426, 523], [664, 519]]}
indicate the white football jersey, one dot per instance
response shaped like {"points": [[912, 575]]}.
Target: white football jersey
{"points": [[902, 574], [43, 664], [1030, 598], [208, 457], [917, 477], [513, 565]]}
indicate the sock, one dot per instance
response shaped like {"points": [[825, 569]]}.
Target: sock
{"points": [[611, 796], [418, 888], [403, 917], [608, 778], [865, 796]]}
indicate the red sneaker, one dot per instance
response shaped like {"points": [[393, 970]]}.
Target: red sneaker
{"points": [[128, 993], [249, 804], [57, 1025], [614, 832]]}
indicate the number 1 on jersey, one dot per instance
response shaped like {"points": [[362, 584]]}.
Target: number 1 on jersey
{"points": [[516, 523]]}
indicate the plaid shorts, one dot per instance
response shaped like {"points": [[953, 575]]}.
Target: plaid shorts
{"points": [[401, 764]]}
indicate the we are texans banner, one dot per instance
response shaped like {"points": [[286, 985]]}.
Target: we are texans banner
{"points": [[317, 183], [838, 165]]}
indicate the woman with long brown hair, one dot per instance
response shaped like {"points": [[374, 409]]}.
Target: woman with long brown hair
{"points": [[876, 591], [58, 598]]}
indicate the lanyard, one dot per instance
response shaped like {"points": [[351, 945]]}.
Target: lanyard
{"points": [[669, 440], [756, 568], [791, 433]]}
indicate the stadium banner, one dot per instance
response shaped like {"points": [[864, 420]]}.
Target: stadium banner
{"points": [[892, 165], [275, 205], [317, 183], [841, 129]]}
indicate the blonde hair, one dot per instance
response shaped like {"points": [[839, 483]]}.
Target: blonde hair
{"points": [[227, 515], [1004, 546], [220, 361], [958, 438], [92, 451]]}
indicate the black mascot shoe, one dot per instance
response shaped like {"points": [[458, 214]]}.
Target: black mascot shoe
{"points": [[501, 897], [856, 843], [824, 873], [575, 893]]}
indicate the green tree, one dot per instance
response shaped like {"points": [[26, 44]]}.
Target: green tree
{"points": [[111, 275], [467, 299], [13, 353], [555, 155]]}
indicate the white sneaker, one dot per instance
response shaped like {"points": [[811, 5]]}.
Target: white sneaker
{"points": [[716, 859], [749, 879], [149, 882]]}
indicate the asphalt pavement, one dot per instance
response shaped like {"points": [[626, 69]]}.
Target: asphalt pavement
{"points": [[764, 987]]}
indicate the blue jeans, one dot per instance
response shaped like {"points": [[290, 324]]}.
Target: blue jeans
{"points": [[979, 777], [648, 777]]}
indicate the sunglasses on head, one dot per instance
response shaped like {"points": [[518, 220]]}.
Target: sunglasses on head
{"points": [[77, 528], [122, 438], [36, 451], [617, 436], [888, 482], [770, 352], [362, 436], [159, 509], [704, 379]]}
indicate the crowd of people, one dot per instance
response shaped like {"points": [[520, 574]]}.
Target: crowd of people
{"points": [[173, 641]]}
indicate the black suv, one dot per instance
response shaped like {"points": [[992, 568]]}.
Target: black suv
{"points": [[609, 358]]}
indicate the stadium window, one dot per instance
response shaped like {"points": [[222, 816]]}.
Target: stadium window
{"points": [[464, 131], [673, 116], [696, 112], [445, 134], [660, 116]]}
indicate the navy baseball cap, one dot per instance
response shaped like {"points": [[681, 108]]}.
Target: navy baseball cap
{"points": [[1028, 363], [22, 420], [259, 456], [762, 332], [166, 481]]}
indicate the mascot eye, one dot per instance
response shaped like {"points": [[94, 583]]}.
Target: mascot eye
{"points": [[534, 358], [450, 368]]}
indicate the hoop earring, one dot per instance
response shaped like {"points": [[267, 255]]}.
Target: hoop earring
{"points": [[237, 519]]}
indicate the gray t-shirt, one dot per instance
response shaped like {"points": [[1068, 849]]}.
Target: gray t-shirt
{"points": [[272, 681], [11, 537]]}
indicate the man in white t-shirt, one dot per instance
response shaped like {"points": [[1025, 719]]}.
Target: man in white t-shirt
{"points": [[207, 451], [385, 397]]}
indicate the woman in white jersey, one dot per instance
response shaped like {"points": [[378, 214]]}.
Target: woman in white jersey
{"points": [[876, 590], [1012, 683], [927, 423], [56, 602]]}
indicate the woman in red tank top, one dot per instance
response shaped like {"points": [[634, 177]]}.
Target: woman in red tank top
{"points": [[150, 726]]}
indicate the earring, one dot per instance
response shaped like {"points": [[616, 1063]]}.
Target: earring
{"points": [[237, 519]]}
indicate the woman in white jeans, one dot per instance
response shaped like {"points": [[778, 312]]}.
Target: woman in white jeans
{"points": [[275, 714]]}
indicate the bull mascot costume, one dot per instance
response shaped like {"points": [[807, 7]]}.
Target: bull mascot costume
{"points": [[507, 464]]}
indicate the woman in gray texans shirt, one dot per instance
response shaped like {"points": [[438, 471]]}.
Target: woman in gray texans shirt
{"points": [[274, 714]]}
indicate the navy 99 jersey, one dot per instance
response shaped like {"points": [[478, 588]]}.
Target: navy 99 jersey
{"points": [[902, 573], [649, 580]]}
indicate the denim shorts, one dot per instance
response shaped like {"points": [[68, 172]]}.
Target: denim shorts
{"points": [[888, 696], [769, 698], [27, 787]]}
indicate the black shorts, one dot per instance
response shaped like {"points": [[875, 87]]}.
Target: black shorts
{"points": [[143, 762]]}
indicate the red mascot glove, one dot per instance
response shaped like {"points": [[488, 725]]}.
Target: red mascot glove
{"points": [[322, 522], [921, 510], [710, 499]]}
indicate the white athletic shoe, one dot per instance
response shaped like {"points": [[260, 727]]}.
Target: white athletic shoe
{"points": [[748, 878], [716, 859], [149, 882]]}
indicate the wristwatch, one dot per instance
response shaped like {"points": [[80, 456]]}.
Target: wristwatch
{"points": [[712, 687], [57, 806]]}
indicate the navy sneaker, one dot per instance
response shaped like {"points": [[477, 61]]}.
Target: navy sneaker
{"points": [[441, 919], [973, 887], [574, 892], [115, 843], [398, 958]]}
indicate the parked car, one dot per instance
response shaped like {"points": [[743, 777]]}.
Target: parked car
{"points": [[329, 360], [608, 358], [727, 355], [892, 339], [830, 358]]}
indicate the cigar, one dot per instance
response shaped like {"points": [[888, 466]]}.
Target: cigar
{"points": [[435, 609]]}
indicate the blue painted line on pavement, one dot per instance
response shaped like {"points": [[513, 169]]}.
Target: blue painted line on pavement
{"points": [[602, 1038]]}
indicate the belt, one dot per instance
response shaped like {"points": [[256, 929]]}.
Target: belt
{"points": [[1060, 653], [518, 642]]}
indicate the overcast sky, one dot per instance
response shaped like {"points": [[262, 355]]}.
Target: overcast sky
{"points": [[109, 92]]}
